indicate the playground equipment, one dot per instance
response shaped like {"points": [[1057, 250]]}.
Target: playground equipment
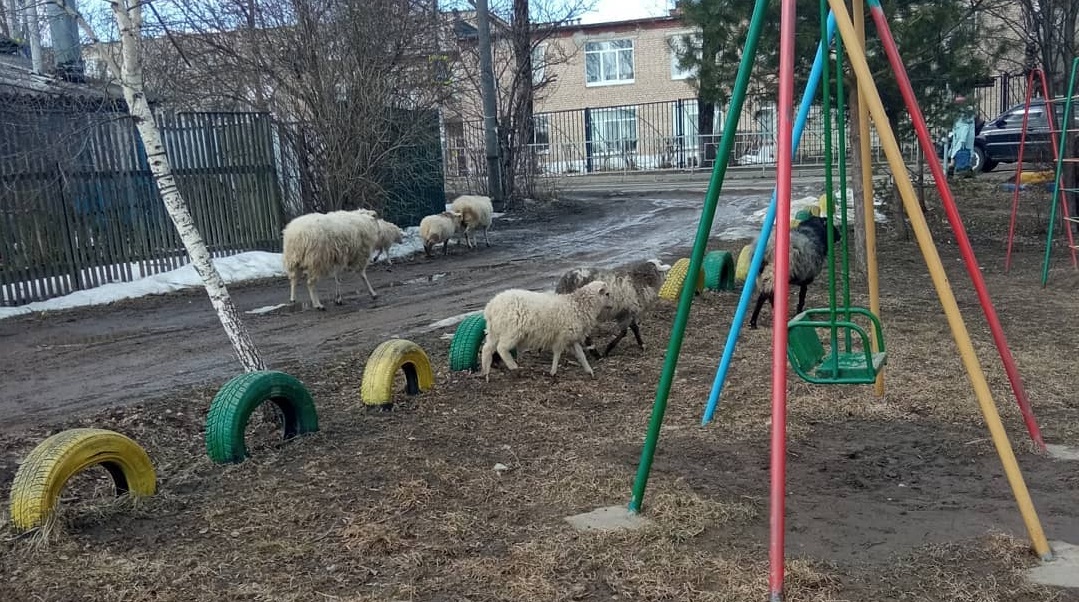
{"points": [[779, 212], [383, 364], [43, 474], [231, 408], [1058, 158], [1059, 188]]}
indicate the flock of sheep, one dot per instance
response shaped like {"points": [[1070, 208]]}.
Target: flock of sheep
{"points": [[517, 320]]}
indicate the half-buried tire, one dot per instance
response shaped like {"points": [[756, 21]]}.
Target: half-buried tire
{"points": [[465, 346], [42, 475], [676, 276], [719, 271], [232, 406], [389, 357], [741, 269]]}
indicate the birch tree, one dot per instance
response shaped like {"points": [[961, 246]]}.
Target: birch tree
{"points": [[127, 68]]}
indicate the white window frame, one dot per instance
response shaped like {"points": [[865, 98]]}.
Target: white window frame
{"points": [[595, 50], [675, 45], [539, 63], [538, 147], [625, 142]]}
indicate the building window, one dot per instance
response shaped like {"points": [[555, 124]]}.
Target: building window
{"points": [[608, 62], [539, 63], [614, 131], [541, 133], [678, 49]]}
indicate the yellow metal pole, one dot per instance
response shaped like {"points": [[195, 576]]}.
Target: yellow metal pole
{"points": [[867, 200], [869, 92]]}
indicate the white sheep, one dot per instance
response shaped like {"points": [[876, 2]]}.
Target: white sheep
{"points": [[439, 228], [633, 291], [476, 212], [326, 243], [389, 234], [808, 253], [544, 321]]}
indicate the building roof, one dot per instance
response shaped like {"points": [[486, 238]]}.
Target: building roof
{"points": [[17, 79]]}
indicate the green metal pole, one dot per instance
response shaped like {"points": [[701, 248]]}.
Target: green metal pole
{"points": [[1060, 168], [841, 102], [829, 194], [708, 214]]}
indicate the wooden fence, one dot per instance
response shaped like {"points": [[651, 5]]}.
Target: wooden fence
{"points": [[79, 208]]}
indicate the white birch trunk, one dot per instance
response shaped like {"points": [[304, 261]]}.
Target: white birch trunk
{"points": [[33, 31], [128, 15]]}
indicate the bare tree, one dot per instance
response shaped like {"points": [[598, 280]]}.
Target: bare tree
{"points": [[521, 36], [1049, 29], [354, 86], [127, 69]]}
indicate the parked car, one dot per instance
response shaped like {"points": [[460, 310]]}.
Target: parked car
{"points": [[998, 141]]}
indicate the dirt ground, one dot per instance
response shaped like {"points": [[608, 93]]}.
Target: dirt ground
{"points": [[900, 498]]}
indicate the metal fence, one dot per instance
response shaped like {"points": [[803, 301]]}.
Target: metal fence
{"points": [[665, 135], [79, 208]]}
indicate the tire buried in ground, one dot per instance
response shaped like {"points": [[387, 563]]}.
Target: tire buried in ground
{"points": [[467, 342], [376, 390], [42, 475], [719, 271], [231, 409], [676, 276]]}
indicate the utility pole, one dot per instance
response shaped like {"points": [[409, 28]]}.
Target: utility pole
{"points": [[33, 31], [64, 30], [490, 110]]}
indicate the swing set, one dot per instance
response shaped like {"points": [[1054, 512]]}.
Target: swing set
{"points": [[843, 343]]}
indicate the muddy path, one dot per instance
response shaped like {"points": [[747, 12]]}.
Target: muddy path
{"points": [[70, 362]]}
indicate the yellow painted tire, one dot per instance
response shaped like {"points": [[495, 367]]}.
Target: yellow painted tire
{"points": [[1036, 177], [384, 362], [50, 465], [672, 284], [741, 268]]}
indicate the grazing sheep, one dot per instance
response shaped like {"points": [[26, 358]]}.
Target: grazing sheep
{"points": [[475, 213], [326, 243], [809, 250], [439, 228], [633, 291], [544, 321], [388, 235]]}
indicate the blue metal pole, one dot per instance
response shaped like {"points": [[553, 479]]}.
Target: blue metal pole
{"points": [[766, 230]]}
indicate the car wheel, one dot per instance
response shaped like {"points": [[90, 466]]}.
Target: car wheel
{"points": [[977, 160]]}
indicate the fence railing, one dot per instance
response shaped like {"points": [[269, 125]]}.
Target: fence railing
{"points": [[665, 136], [79, 208]]}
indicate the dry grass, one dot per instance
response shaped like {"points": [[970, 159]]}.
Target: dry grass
{"points": [[406, 505]]}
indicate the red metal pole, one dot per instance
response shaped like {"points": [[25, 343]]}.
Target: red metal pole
{"points": [[782, 290], [960, 232], [1019, 169]]}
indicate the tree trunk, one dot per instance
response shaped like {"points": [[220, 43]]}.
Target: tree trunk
{"points": [[706, 129], [129, 21], [856, 167], [523, 95]]}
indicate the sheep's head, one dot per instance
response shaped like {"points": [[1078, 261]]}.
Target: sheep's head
{"points": [[456, 216], [819, 225], [599, 290], [650, 273]]}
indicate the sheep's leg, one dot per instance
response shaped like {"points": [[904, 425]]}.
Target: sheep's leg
{"points": [[486, 355], [337, 288], [614, 342], [315, 302], [292, 278], [485, 239], [581, 359], [371, 290], [637, 333], [505, 349], [802, 298], [757, 310], [557, 352], [591, 347], [446, 246], [427, 249]]}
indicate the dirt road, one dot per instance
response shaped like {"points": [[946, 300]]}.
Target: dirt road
{"points": [[74, 361]]}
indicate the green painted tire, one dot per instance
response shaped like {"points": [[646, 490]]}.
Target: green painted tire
{"points": [[719, 271], [232, 406], [465, 346]]}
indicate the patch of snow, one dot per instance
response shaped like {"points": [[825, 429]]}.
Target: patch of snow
{"points": [[426, 279], [251, 265], [265, 309], [452, 320]]}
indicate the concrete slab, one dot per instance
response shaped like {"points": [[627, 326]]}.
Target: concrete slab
{"points": [[610, 518], [1063, 452], [1062, 571]]}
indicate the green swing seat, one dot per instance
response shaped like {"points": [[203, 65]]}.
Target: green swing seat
{"points": [[815, 363]]}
